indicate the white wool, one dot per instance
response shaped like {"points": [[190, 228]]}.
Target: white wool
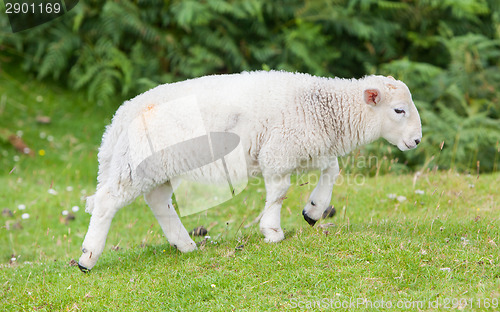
{"points": [[286, 122]]}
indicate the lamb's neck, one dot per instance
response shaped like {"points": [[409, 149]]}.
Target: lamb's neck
{"points": [[345, 122]]}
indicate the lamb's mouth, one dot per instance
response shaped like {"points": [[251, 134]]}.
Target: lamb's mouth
{"points": [[409, 147]]}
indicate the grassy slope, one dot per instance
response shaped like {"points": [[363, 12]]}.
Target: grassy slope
{"points": [[442, 244]]}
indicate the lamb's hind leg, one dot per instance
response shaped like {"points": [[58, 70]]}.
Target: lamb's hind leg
{"points": [[160, 201], [105, 207]]}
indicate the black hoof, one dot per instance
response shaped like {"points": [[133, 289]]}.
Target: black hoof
{"points": [[329, 212], [309, 220], [83, 269]]}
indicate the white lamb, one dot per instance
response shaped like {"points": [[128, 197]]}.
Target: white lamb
{"points": [[285, 122]]}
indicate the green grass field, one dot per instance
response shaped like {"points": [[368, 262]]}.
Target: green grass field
{"points": [[436, 249]]}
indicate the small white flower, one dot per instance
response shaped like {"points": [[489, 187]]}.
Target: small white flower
{"points": [[69, 188], [419, 192], [43, 135], [401, 198], [21, 207], [213, 285], [65, 212], [445, 269], [25, 216], [16, 158], [39, 98], [50, 138], [52, 191], [75, 208], [13, 259], [391, 196], [471, 185], [26, 150], [19, 133]]}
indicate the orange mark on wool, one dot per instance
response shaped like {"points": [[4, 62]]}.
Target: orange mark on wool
{"points": [[149, 111]]}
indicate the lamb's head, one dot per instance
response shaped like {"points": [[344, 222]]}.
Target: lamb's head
{"points": [[393, 111]]}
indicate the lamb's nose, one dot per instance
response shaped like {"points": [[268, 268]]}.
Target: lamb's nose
{"points": [[417, 141]]}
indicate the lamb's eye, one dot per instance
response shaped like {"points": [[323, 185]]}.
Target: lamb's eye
{"points": [[399, 111]]}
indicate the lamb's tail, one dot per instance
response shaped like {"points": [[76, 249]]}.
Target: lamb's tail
{"points": [[107, 150], [89, 207], [106, 153], [104, 157]]}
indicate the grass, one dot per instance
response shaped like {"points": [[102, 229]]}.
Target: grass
{"points": [[432, 248]]}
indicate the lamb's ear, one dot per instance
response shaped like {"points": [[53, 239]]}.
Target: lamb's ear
{"points": [[372, 96]]}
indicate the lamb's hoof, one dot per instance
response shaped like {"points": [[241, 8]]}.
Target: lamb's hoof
{"points": [[308, 219], [329, 212], [83, 269]]}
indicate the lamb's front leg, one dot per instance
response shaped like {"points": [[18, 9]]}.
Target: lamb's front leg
{"points": [[318, 205], [160, 201], [270, 223]]}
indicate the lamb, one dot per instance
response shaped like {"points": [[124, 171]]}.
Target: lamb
{"points": [[285, 122]]}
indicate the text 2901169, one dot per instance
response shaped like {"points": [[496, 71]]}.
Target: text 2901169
{"points": [[32, 8]]}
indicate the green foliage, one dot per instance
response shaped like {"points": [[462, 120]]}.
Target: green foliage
{"points": [[448, 53]]}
